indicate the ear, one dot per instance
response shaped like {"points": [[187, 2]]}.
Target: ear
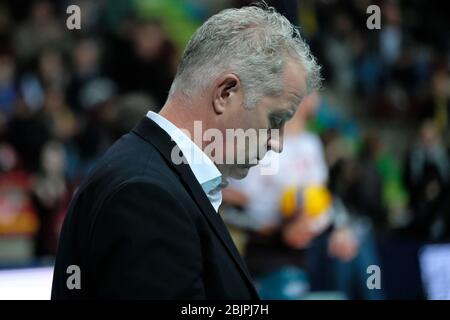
{"points": [[225, 92]]}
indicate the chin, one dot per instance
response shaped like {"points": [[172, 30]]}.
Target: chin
{"points": [[239, 172]]}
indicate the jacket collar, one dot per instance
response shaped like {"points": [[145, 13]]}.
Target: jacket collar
{"points": [[202, 167]]}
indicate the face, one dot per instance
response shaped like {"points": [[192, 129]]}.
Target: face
{"points": [[268, 116]]}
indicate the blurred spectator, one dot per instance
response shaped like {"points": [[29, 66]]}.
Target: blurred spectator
{"points": [[41, 30], [436, 105], [359, 184], [86, 67], [391, 33], [276, 247], [18, 218], [8, 87], [127, 111], [51, 197], [340, 52], [339, 260], [427, 179], [145, 60]]}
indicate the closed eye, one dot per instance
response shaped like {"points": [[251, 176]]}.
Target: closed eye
{"points": [[278, 118]]}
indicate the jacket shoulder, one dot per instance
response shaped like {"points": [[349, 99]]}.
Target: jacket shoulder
{"points": [[129, 158]]}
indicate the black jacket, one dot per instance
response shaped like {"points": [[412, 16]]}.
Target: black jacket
{"points": [[142, 227]]}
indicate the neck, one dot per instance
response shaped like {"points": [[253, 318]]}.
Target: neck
{"points": [[190, 117], [185, 115]]}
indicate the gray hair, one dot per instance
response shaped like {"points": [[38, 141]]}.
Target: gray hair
{"points": [[252, 42]]}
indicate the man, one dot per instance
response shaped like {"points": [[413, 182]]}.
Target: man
{"points": [[143, 225]]}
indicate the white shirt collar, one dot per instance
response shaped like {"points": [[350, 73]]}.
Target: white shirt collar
{"points": [[205, 171]]}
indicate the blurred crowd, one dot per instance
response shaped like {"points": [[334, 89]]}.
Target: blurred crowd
{"points": [[66, 95]]}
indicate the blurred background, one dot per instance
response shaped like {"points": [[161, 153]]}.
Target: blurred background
{"points": [[364, 179]]}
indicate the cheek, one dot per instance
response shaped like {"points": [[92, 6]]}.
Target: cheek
{"points": [[263, 121], [253, 119]]}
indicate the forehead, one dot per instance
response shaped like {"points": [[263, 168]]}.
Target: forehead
{"points": [[294, 81], [294, 89]]}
